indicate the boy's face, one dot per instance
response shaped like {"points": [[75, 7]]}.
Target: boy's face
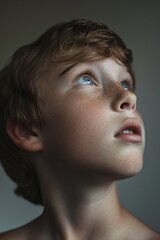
{"points": [[93, 123]]}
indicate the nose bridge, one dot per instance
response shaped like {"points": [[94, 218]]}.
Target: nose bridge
{"points": [[123, 99]]}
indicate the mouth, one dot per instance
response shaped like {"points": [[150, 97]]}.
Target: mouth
{"points": [[131, 131]]}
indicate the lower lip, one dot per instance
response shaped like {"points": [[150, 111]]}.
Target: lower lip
{"points": [[129, 137]]}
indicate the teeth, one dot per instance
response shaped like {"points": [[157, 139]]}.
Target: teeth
{"points": [[126, 131]]}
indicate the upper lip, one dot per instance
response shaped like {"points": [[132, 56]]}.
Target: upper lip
{"points": [[130, 124]]}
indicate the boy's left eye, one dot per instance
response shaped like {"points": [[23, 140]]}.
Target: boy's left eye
{"points": [[85, 80], [126, 86]]}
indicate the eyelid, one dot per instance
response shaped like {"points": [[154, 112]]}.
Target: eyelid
{"points": [[87, 73], [130, 84]]}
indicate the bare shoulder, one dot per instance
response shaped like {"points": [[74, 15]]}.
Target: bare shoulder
{"points": [[150, 234], [147, 232], [17, 234], [21, 233], [141, 231]]}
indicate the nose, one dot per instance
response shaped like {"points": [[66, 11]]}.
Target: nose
{"points": [[125, 100]]}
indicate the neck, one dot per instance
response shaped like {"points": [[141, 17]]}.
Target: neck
{"points": [[80, 211]]}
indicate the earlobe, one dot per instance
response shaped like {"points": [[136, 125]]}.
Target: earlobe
{"points": [[23, 138]]}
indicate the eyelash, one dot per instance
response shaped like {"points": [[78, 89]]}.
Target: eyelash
{"points": [[129, 84], [87, 73]]}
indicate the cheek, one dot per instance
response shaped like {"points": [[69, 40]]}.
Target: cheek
{"points": [[80, 130]]}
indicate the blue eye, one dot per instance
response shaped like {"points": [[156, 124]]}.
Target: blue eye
{"points": [[85, 80], [125, 85]]}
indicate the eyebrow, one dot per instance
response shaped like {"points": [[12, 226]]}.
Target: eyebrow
{"points": [[67, 69]]}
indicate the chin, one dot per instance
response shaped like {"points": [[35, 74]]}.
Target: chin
{"points": [[131, 173], [131, 166]]}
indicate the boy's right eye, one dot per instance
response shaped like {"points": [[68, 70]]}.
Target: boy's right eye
{"points": [[84, 80]]}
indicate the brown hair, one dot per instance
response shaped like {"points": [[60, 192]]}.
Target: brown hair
{"points": [[20, 98]]}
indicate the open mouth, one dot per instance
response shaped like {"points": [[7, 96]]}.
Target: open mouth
{"points": [[130, 131]]}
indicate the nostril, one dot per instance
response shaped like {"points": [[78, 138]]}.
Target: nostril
{"points": [[127, 105], [124, 105]]}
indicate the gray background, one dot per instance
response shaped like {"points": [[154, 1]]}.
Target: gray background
{"points": [[138, 23]]}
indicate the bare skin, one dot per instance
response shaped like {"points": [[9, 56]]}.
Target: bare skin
{"points": [[79, 155]]}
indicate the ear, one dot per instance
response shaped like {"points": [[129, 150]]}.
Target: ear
{"points": [[23, 138]]}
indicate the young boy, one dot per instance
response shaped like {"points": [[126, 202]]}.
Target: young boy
{"points": [[69, 129]]}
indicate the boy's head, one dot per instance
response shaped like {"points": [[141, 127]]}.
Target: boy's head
{"points": [[25, 84]]}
